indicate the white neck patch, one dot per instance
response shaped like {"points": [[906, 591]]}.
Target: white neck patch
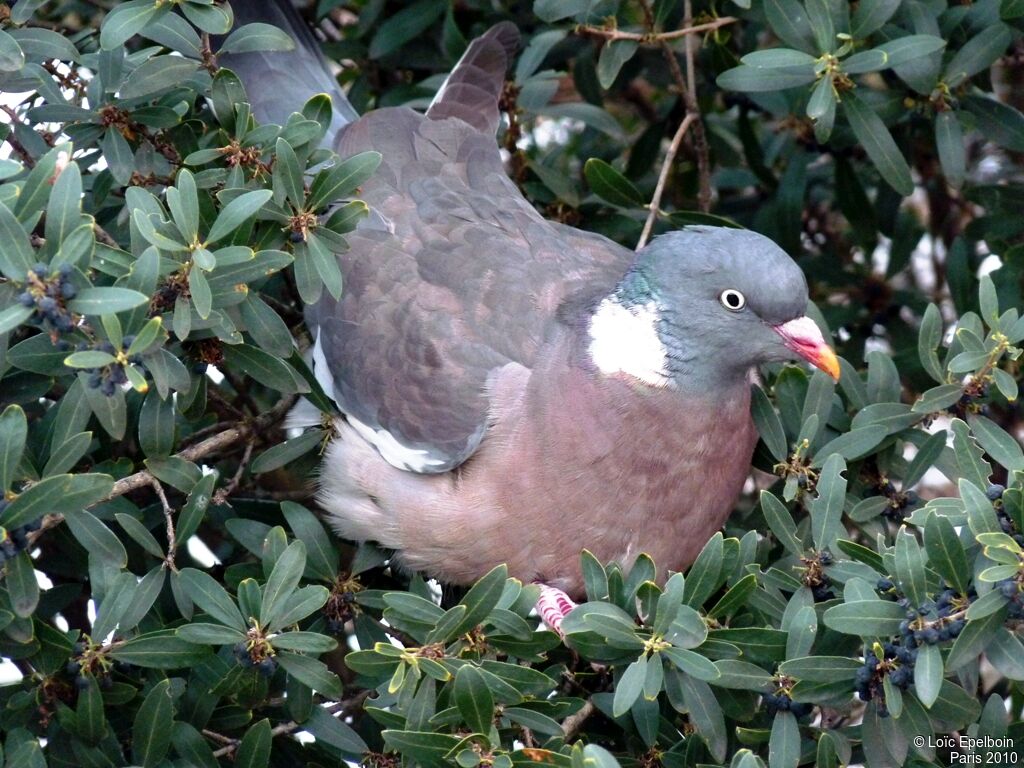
{"points": [[625, 340]]}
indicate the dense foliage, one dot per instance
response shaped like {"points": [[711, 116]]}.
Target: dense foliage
{"points": [[156, 250]]}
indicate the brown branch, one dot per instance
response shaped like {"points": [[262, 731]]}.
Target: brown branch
{"points": [[16, 145], [229, 438], [659, 189], [343, 707], [687, 88], [172, 539], [700, 141], [222, 494], [572, 724], [655, 38]]}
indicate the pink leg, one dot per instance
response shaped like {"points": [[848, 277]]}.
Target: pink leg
{"points": [[553, 605]]}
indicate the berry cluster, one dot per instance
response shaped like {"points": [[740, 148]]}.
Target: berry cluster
{"points": [[341, 605], [1006, 523], [86, 663], [897, 662], [108, 378], [900, 502], [816, 578], [1011, 589], [14, 541], [918, 630], [266, 664], [46, 293], [781, 702]]}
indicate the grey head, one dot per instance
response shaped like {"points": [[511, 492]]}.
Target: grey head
{"points": [[701, 307]]}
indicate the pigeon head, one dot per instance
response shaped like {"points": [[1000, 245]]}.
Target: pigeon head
{"points": [[703, 306]]}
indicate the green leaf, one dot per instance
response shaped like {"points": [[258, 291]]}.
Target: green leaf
{"points": [[928, 340], [282, 582], [759, 80], [691, 663], [13, 433], [190, 744], [210, 634], [865, 617], [209, 595], [704, 575], [789, 20], [151, 736], [106, 301], [12, 58], [910, 568], [820, 669], [610, 185], [306, 642], [17, 256], [613, 55], [908, 48], [157, 74], [998, 444], [234, 214], [254, 749], [12, 317], [977, 54], [820, 18], [97, 539], [852, 445], [261, 367], [22, 587], [784, 743], [311, 672], [878, 143], [403, 26], [331, 730], [870, 15], [769, 425], [928, 673], [126, 20], [949, 140], [474, 700], [998, 122], [288, 176], [946, 554], [256, 37], [827, 507], [342, 179], [630, 686], [59, 494], [160, 650], [970, 460]]}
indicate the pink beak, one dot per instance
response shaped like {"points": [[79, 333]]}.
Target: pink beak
{"points": [[803, 337]]}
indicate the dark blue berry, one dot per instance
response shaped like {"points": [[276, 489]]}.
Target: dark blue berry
{"points": [[26, 299], [995, 492], [885, 585], [267, 667], [68, 290], [1008, 588]]}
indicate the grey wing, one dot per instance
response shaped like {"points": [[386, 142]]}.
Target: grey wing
{"points": [[457, 277]]}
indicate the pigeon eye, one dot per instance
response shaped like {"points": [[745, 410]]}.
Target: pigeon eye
{"points": [[732, 300]]}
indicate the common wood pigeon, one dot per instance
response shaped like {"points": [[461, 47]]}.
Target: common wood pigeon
{"points": [[515, 389]]}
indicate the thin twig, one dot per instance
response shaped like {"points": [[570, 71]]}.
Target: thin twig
{"points": [[655, 37], [172, 539], [229, 438], [17, 146], [700, 141], [572, 724], [688, 92], [222, 494], [342, 706], [659, 189]]}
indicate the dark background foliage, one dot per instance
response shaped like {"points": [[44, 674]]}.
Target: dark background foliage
{"points": [[168, 595]]}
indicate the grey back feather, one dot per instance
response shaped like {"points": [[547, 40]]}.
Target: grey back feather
{"points": [[280, 82]]}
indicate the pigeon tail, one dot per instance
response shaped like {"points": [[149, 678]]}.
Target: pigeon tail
{"points": [[472, 91], [279, 83]]}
